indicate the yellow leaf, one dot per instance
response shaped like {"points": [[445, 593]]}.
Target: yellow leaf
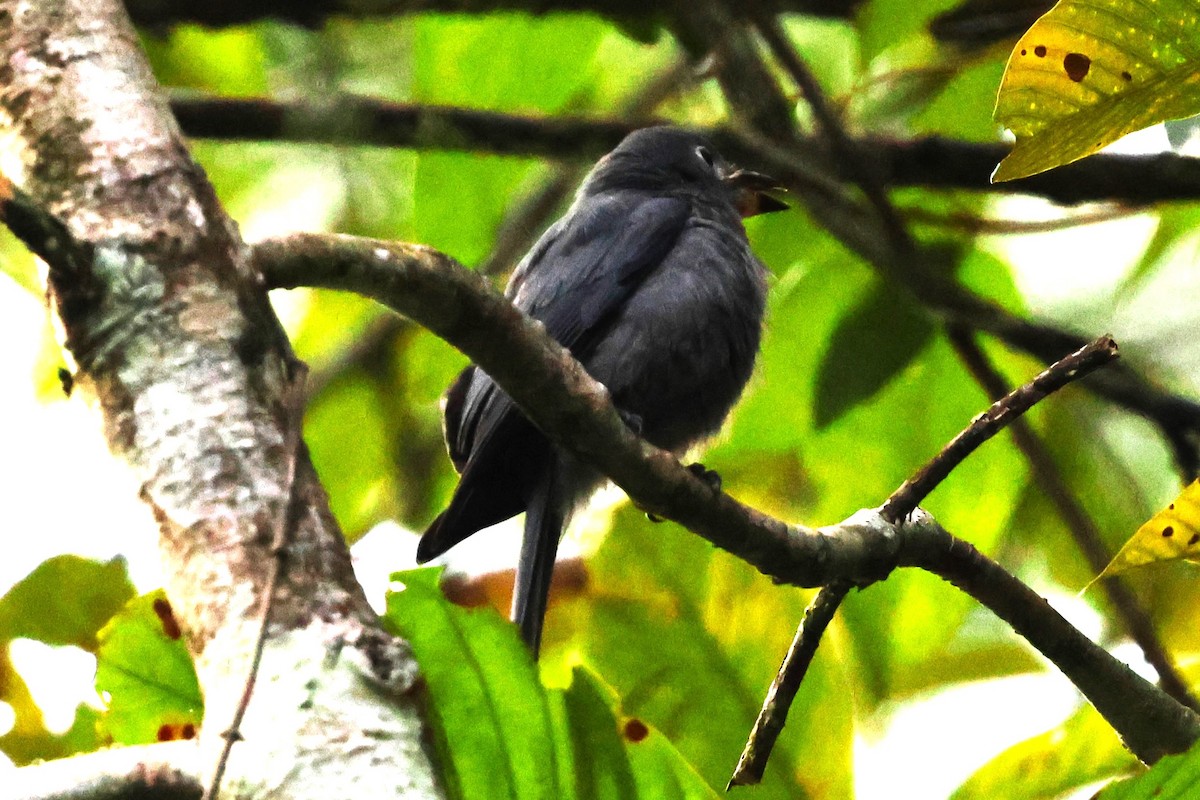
{"points": [[1090, 71], [1170, 534]]}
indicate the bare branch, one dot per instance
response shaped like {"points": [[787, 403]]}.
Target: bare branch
{"points": [[1160, 727], [1083, 529], [899, 505], [1077, 365], [782, 692], [933, 162]]}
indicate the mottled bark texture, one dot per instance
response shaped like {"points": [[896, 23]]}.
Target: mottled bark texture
{"points": [[173, 338]]}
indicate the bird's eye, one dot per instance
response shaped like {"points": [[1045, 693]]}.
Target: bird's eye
{"points": [[706, 156]]}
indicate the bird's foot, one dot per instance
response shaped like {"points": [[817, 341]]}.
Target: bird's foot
{"points": [[632, 421], [709, 476]]}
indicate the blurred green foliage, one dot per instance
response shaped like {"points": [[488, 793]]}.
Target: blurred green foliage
{"points": [[668, 646]]}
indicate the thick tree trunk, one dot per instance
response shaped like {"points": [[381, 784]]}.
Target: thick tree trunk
{"points": [[175, 341]]}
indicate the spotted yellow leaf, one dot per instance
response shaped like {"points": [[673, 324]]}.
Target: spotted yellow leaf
{"points": [[1090, 71], [1172, 533]]}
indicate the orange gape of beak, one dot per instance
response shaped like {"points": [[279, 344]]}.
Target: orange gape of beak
{"points": [[752, 198]]}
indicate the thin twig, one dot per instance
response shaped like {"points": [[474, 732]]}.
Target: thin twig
{"points": [[294, 405], [900, 505], [771, 718], [840, 144], [973, 224], [1083, 361], [1083, 528]]}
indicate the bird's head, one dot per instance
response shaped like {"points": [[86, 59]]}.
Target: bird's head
{"points": [[666, 158]]}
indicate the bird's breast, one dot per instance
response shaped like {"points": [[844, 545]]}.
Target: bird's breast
{"points": [[682, 348]]}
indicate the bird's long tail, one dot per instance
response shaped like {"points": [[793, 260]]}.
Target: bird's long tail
{"points": [[544, 519]]}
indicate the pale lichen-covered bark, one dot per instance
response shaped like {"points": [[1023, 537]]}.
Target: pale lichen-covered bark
{"points": [[174, 340]]}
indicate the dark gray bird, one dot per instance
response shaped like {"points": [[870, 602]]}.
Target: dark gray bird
{"points": [[650, 283]]}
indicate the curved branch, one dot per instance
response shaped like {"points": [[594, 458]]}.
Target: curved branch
{"points": [[1133, 616], [573, 410], [1159, 726]]}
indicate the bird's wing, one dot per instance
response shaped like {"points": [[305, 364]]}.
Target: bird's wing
{"points": [[573, 279], [580, 272], [585, 267]]}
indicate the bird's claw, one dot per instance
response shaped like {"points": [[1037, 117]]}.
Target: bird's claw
{"points": [[709, 476]]}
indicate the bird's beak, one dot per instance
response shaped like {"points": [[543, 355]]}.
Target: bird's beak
{"points": [[752, 187]]}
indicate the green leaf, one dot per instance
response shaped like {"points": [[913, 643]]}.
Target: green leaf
{"points": [[346, 433], [65, 601], [1089, 72], [884, 23], [511, 62], [628, 760], [601, 767], [145, 672], [1081, 751], [874, 342], [1172, 778], [490, 711], [829, 47], [1177, 225], [461, 199], [963, 109], [18, 263], [229, 61]]}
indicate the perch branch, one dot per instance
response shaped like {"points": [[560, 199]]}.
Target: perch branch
{"points": [[555, 392]]}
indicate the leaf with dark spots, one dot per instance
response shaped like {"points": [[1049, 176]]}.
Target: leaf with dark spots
{"points": [[162, 607], [1077, 66], [147, 675], [1086, 74], [635, 730], [1156, 539]]}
